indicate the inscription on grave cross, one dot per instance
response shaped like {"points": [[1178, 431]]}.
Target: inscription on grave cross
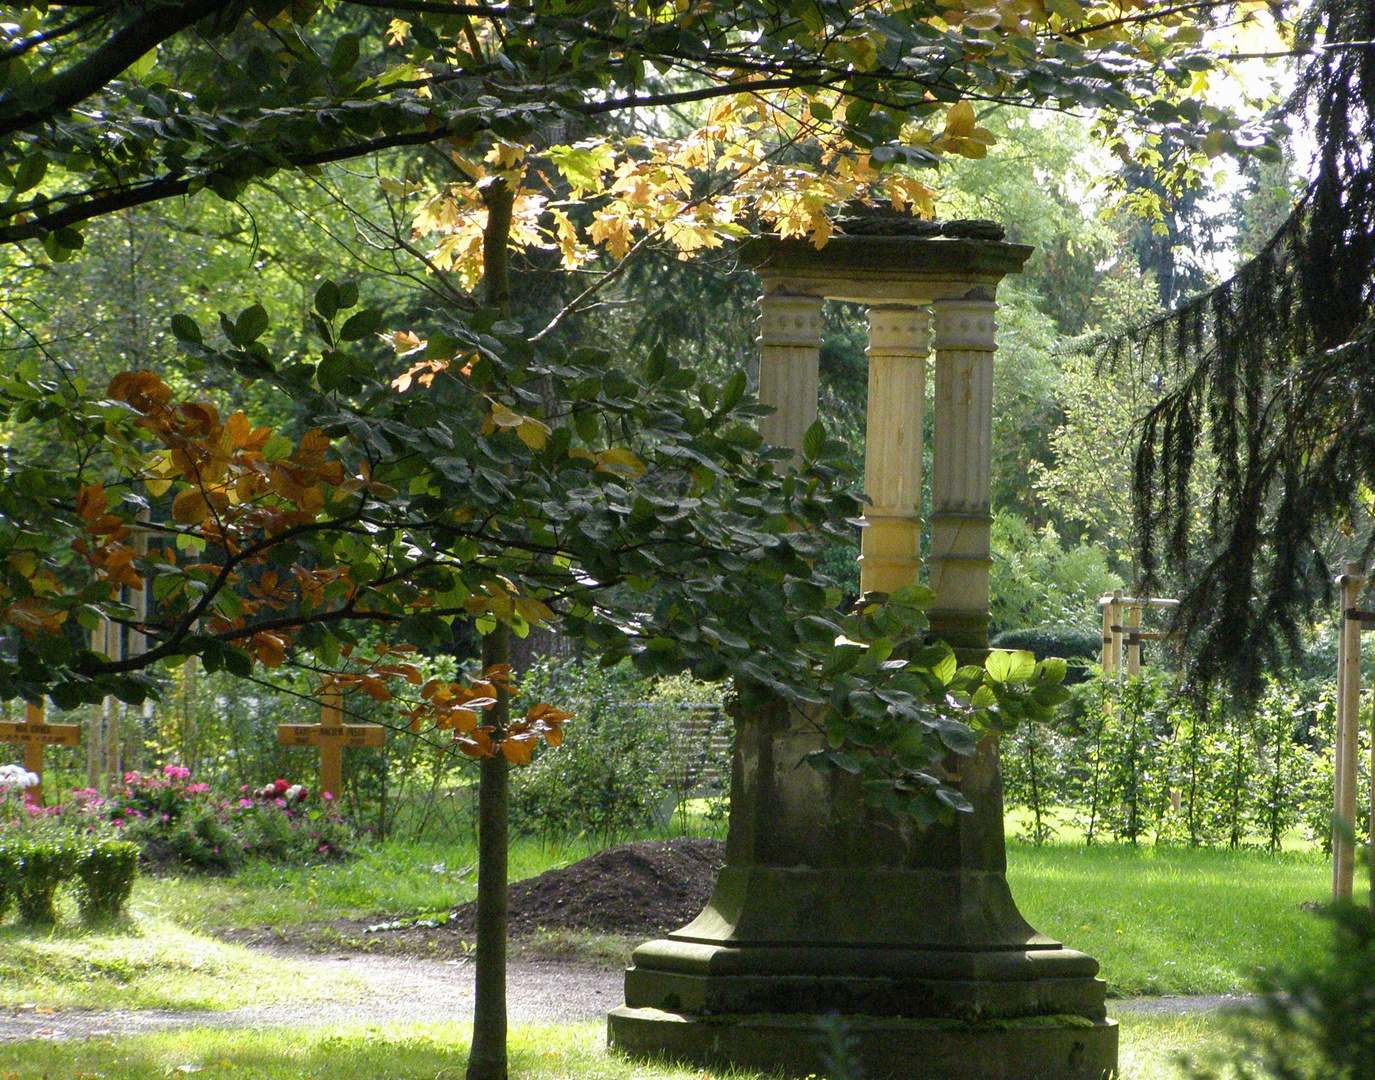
{"points": [[34, 733], [331, 735]]}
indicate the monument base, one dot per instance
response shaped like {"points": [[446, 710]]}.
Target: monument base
{"points": [[876, 1047]]}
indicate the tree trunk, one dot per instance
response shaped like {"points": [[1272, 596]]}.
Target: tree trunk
{"points": [[487, 1056]]}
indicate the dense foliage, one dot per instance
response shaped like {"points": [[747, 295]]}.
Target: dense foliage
{"points": [[1270, 387], [1144, 761]]}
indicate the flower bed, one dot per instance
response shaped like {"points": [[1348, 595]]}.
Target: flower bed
{"points": [[183, 826]]}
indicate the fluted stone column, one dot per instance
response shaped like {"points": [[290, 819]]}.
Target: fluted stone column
{"points": [[961, 469], [789, 356], [899, 342]]}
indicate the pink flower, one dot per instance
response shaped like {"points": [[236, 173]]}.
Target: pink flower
{"points": [[327, 796], [280, 802], [245, 802]]}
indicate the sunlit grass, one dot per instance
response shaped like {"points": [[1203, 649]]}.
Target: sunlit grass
{"points": [[438, 1052], [1173, 920], [1159, 920], [394, 879], [149, 964]]}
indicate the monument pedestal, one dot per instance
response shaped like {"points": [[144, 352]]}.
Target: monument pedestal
{"points": [[830, 917]]}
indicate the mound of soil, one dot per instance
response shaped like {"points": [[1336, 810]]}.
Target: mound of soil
{"points": [[647, 888]]}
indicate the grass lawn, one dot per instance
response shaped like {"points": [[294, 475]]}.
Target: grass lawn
{"points": [[1173, 920], [1150, 1048], [148, 964], [1164, 920]]}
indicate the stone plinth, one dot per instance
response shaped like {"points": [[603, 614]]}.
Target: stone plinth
{"points": [[832, 923]]}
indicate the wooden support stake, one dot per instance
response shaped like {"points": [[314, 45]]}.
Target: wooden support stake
{"points": [[1108, 622], [330, 736], [35, 733], [1133, 640], [1115, 633], [1349, 585]]}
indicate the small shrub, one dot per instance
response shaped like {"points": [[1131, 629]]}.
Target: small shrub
{"points": [[197, 839], [105, 872], [43, 866], [9, 874]]}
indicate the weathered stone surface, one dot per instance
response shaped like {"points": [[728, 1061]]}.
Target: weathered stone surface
{"points": [[885, 1048]]}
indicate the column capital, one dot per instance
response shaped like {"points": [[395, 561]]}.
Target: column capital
{"points": [[789, 319], [966, 323], [899, 330]]}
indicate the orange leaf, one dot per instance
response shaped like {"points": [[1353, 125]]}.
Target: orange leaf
{"points": [[478, 744], [33, 617], [91, 502], [518, 750], [238, 429], [190, 507]]}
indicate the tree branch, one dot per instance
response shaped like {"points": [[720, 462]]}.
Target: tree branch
{"points": [[169, 187], [35, 103]]}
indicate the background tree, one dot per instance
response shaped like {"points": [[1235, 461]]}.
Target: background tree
{"points": [[1270, 379]]}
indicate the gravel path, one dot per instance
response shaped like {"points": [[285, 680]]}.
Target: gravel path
{"points": [[398, 989]]}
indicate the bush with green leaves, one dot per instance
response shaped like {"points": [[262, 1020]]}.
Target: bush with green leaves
{"points": [[105, 874], [44, 864], [9, 875], [606, 780]]}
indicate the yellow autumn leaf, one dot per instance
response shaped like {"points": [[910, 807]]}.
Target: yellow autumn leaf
{"points": [[190, 507], [617, 460], [504, 417], [505, 155], [533, 611], [959, 120], [533, 433]]}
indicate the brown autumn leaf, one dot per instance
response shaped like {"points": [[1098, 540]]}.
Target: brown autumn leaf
{"points": [[190, 507]]}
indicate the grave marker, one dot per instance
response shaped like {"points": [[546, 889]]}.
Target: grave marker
{"points": [[331, 735], [35, 733]]}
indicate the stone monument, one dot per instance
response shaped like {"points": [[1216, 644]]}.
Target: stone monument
{"points": [[839, 937]]}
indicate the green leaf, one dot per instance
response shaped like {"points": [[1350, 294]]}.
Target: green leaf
{"points": [[184, 329], [30, 173], [142, 66], [1009, 665], [1052, 670], [733, 392], [814, 441], [344, 55], [250, 324], [327, 299], [361, 325]]}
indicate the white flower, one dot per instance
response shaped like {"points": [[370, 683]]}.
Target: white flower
{"points": [[17, 777], [295, 793]]}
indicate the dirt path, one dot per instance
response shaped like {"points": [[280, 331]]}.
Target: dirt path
{"points": [[398, 989]]}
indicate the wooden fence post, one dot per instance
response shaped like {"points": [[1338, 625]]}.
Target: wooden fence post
{"points": [[1347, 741]]}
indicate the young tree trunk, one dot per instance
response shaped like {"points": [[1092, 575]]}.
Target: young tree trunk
{"points": [[487, 1056]]}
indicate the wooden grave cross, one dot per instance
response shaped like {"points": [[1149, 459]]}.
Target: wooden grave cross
{"points": [[35, 733], [331, 735]]}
